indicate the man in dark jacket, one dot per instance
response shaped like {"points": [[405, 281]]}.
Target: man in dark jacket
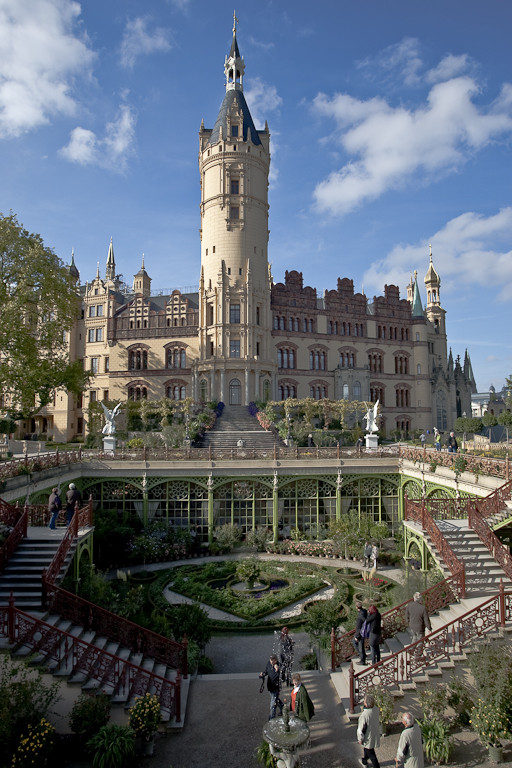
{"points": [[357, 640], [417, 618], [452, 443], [73, 496], [273, 686], [54, 507]]}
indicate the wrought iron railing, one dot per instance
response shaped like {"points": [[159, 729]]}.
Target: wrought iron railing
{"points": [[417, 511], [452, 638], [439, 596], [18, 533], [477, 465], [483, 509], [102, 621], [124, 678]]}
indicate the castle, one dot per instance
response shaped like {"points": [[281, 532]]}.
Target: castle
{"points": [[244, 338]]}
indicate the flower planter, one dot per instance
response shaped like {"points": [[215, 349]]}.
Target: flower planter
{"points": [[495, 753]]}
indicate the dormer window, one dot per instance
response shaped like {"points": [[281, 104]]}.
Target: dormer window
{"points": [[234, 131]]}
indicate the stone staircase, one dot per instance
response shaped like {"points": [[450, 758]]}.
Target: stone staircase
{"points": [[501, 518], [67, 650], [114, 670], [234, 425], [22, 574], [483, 575]]}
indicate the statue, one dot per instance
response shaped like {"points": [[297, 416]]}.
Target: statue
{"points": [[371, 419], [110, 428]]}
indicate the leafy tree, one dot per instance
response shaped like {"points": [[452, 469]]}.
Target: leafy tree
{"points": [[505, 419], [489, 420], [39, 303], [468, 425]]}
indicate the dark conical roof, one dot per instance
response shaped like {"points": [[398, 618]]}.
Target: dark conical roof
{"points": [[225, 108]]}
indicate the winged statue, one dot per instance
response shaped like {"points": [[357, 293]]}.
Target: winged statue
{"points": [[110, 415]]}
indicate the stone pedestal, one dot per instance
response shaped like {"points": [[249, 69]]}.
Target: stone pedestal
{"points": [[372, 441], [109, 444]]}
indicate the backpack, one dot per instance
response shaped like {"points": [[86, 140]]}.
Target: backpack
{"points": [[364, 632]]}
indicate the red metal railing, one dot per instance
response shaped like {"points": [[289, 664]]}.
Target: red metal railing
{"points": [[418, 512], [93, 617], [393, 621], [77, 656], [485, 508], [441, 644], [17, 534], [477, 465]]}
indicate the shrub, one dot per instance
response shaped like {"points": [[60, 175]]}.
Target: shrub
{"points": [[386, 705], [25, 700], [248, 571], [433, 702], [257, 538], [90, 712], [227, 536], [309, 661], [145, 716], [36, 746], [112, 747], [437, 741]]}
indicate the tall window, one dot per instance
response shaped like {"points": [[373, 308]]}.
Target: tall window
{"points": [[234, 212], [137, 393], [235, 185], [234, 313], [90, 335], [137, 359], [94, 364], [234, 347], [176, 358], [177, 392]]}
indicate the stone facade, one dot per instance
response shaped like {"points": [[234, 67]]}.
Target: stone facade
{"points": [[242, 337]]}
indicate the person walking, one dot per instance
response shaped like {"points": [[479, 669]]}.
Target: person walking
{"points": [[417, 617], [272, 674], [300, 702], [54, 507], [437, 439], [367, 554], [410, 746], [286, 655], [358, 640], [374, 556], [452, 443], [368, 731], [375, 621], [423, 439], [73, 496]]}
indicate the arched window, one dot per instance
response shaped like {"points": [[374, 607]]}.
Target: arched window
{"points": [[137, 393], [176, 358], [345, 392], [137, 359]]}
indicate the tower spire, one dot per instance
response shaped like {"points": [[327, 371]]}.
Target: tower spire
{"points": [[234, 66], [110, 271]]}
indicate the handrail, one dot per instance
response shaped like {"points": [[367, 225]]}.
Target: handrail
{"points": [[104, 622], [60, 646], [11, 543], [477, 465], [418, 512], [485, 508], [439, 596], [451, 638]]}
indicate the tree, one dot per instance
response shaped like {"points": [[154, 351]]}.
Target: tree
{"points": [[468, 425], [505, 419], [39, 303]]}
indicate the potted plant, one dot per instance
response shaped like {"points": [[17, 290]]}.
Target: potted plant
{"points": [[112, 747], [489, 720], [144, 718]]}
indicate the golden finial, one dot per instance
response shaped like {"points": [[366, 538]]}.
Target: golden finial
{"points": [[235, 22]]}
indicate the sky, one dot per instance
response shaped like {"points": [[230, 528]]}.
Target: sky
{"points": [[391, 126]]}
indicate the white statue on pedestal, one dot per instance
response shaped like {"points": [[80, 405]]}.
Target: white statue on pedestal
{"points": [[371, 419], [110, 428]]}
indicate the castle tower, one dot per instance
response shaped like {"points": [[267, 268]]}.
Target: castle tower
{"points": [[110, 270], [236, 363], [142, 281]]}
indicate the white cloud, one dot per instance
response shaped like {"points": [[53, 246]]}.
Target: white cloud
{"points": [[389, 145], [138, 40], [451, 66], [261, 99], [111, 151], [465, 253], [401, 60], [41, 55]]}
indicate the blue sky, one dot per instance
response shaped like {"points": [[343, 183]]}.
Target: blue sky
{"points": [[391, 129]]}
